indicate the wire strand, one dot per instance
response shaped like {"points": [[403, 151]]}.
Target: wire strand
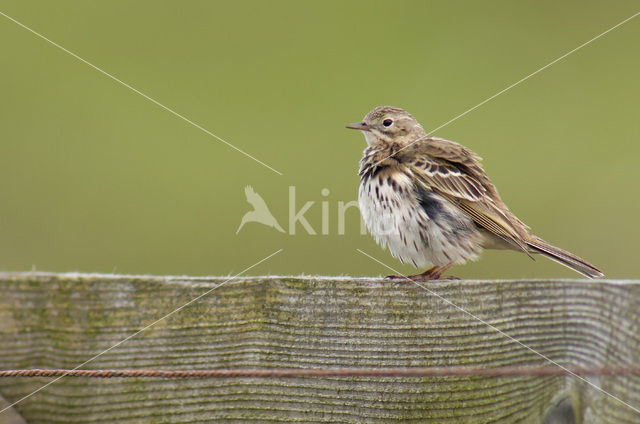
{"points": [[454, 371]]}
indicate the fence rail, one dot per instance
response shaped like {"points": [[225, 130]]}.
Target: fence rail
{"points": [[319, 350]]}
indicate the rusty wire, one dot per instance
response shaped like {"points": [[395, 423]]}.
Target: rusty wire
{"points": [[456, 371]]}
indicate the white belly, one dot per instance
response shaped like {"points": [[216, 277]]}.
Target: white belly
{"points": [[392, 211]]}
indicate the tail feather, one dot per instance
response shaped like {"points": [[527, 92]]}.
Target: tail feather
{"points": [[565, 258]]}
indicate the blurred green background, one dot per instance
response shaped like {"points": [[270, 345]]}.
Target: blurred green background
{"points": [[93, 177]]}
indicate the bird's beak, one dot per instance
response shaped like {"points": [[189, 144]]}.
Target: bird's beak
{"points": [[358, 126]]}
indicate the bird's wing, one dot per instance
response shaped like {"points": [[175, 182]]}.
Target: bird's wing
{"points": [[455, 173], [447, 178]]}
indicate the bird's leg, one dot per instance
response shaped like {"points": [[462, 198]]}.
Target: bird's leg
{"points": [[433, 273], [437, 275], [418, 277], [427, 275]]}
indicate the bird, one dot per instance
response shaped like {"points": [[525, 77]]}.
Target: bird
{"points": [[260, 212], [431, 202]]}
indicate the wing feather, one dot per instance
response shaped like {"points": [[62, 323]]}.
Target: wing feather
{"points": [[447, 178], [456, 173]]}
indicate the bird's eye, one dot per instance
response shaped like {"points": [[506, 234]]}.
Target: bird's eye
{"points": [[387, 122]]}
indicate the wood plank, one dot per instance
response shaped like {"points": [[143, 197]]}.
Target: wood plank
{"points": [[61, 320]]}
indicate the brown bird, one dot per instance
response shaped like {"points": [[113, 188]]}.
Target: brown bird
{"points": [[431, 202]]}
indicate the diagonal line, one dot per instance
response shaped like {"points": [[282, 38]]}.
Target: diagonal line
{"points": [[195, 299], [493, 327], [515, 84], [140, 93]]}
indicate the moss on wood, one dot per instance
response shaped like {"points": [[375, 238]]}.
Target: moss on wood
{"points": [[61, 320]]}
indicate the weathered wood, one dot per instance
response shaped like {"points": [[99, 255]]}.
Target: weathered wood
{"points": [[61, 320], [9, 414]]}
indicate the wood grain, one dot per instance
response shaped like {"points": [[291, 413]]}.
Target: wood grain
{"points": [[61, 320]]}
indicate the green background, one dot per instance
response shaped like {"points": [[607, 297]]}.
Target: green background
{"points": [[96, 178]]}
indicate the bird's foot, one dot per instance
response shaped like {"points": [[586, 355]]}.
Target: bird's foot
{"points": [[433, 273], [446, 278], [398, 279], [431, 277]]}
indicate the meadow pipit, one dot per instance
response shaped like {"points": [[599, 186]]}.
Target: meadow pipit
{"points": [[431, 202]]}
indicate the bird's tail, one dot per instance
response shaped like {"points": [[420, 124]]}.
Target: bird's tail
{"points": [[563, 257]]}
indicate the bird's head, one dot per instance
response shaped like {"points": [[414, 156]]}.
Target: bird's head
{"points": [[388, 124]]}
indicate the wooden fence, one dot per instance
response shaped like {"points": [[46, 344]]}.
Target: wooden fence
{"points": [[62, 320]]}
